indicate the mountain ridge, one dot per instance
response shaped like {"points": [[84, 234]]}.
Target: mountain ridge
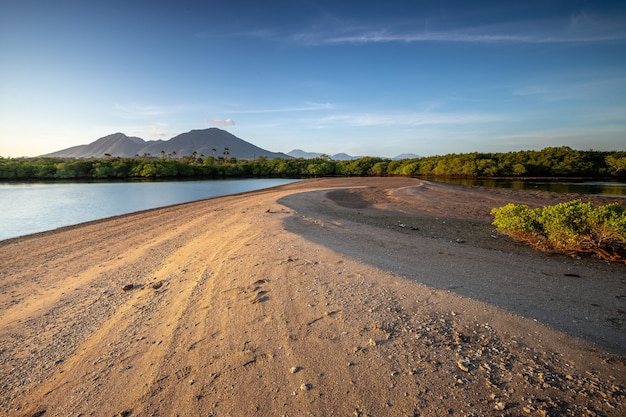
{"points": [[299, 153], [199, 142], [207, 142]]}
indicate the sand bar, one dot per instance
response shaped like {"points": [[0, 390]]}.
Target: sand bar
{"points": [[363, 297]]}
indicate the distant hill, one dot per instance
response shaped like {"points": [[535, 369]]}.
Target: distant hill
{"points": [[203, 142], [299, 153], [117, 144], [405, 156]]}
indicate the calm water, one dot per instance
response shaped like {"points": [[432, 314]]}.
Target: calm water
{"points": [[603, 188], [27, 208]]}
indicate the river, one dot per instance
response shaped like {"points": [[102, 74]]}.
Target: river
{"points": [[27, 208], [36, 207], [605, 188]]}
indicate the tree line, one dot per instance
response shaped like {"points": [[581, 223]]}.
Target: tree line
{"points": [[549, 162]]}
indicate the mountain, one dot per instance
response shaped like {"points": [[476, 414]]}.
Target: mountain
{"points": [[344, 157], [200, 141], [117, 144], [405, 156], [299, 153], [204, 141]]}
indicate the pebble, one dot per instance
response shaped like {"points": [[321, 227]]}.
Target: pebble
{"points": [[305, 387], [463, 365], [499, 406]]}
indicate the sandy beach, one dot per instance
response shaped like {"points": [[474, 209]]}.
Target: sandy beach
{"points": [[327, 297]]}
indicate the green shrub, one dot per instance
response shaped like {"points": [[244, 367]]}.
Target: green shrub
{"points": [[573, 227]]}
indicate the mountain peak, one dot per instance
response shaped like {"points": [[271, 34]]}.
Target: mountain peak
{"points": [[199, 142]]}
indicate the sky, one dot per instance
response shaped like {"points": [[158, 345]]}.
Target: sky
{"points": [[377, 78]]}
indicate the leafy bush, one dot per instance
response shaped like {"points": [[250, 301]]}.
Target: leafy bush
{"points": [[573, 227]]}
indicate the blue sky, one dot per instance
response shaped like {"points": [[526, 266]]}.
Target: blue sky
{"points": [[373, 78]]}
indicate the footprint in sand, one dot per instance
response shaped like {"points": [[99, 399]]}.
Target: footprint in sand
{"points": [[254, 293]]}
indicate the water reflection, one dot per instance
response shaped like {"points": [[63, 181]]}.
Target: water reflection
{"points": [[36, 207], [603, 188]]}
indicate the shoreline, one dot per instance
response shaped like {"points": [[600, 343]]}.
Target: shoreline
{"points": [[305, 298]]}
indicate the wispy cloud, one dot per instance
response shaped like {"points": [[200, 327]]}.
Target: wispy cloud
{"points": [[606, 137], [553, 91], [468, 37], [405, 119], [308, 106], [219, 122], [137, 111], [579, 28], [158, 131], [531, 90]]}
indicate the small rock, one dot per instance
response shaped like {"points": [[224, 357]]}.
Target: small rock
{"points": [[128, 287], [294, 369], [499, 406], [463, 365], [305, 387], [157, 285]]}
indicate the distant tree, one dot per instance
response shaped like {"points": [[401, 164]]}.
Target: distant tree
{"points": [[615, 163]]}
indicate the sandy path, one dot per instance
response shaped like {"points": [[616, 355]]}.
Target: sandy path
{"points": [[274, 303]]}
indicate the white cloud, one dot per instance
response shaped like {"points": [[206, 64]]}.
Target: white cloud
{"points": [[218, 122], [157, 131]]}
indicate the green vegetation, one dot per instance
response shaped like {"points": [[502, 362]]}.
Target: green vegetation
{"points": [[572, 228], [549, 162]]}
